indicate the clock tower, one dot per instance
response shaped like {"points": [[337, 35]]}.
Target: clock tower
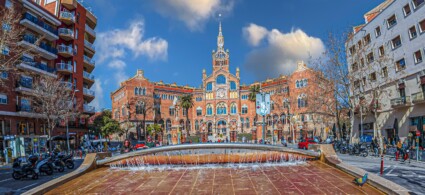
{"points": [[220, 57]]}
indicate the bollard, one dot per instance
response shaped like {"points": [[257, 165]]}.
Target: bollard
{"points": [[396, 155], [382, 164]]}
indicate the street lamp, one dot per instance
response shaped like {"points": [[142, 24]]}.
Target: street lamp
{"points": [[67, 129]]}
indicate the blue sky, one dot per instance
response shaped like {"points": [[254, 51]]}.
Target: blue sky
{"points": [[172, 40]]}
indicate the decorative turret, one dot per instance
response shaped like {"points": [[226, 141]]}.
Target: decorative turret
{"points": [[220, 39], [140, 73], [204, 74], [237, 72]]}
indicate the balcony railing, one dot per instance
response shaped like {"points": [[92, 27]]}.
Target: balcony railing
{"points": [[40, 23], [67, 84], [31, 39], [44, 67], [87, 43], [400, 101], [23, 108], [67, 15], [88, 92], [66, 49], [418, 97], [64, 66], [88, 108], [24, 84], [90, 30], [89, 60], [66, 31], [88, 75]]}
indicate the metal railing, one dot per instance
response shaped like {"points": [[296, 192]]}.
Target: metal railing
{"points": [[64, 66], [38, 65], [418, 97], [66, 31], [89, 60], [25, 108], [31, 39], [90, 30], [66, 49], [67, 15], [67, 84], [88, 75], [40, 23], [89, 44], [88, 108], [88, 92], [400, 101]]}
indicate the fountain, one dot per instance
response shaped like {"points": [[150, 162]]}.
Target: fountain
{"points": [[214, 169]]}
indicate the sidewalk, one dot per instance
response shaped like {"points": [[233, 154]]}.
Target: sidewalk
{"points": [[392, 159], [5, 166]]}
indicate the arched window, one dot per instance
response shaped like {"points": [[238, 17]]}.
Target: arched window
{"points": [[196, 125], [221, 109], [283, 119], [209, 109], [269, 120], [275, 120], [168, 125], [305, 82], [272, 105], [297, 84], [242, 124], [210, 126], [244, 109], [221, 79], [136, 91], [209, 86], [232, 85], [182, 125], [117, 114], [286, 103], [123, 111], [233, 109], [247, 122], [302, 101]]}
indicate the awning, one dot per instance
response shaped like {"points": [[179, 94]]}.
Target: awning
{"points": [[61, 138]]}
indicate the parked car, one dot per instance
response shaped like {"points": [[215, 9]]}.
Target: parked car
{"points": [[140, 145], [303, 144]]}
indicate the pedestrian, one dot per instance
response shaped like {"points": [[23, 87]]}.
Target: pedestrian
{"points": [[399, 150], [243, 139], [150, 143]]}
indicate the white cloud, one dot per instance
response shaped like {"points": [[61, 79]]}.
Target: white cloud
{"points": [[98, 100], [115, 43], [118, 72], [193, 13], [117, 64], [120, 76], [254, 34], [280, 52]]}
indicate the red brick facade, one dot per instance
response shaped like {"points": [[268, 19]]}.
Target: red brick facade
{"points": [[222, 104]]}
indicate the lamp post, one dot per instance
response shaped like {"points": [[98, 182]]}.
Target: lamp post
{"points": [[67, 129]]}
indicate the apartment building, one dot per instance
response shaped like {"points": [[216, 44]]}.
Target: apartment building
{"points": [[222, 108], [386, 67], [65, 51]]}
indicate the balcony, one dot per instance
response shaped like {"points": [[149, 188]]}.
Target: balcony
{"points": [[66, 34], [90, 31], [400, 102], [69, 4], [23, 108], [28, 64], [88, 77], [39, 26], [89, 93], [418, 98], [89, 46], [67, 17], [24, 87], [65, 51], [46, 51], [88, 109], [64, 67], [67, 85], [89, 63]]}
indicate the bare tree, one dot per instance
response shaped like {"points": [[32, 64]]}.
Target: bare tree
{"points": [[11, 34], [54, 100], [143, 105]]}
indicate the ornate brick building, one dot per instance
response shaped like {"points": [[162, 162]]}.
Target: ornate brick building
{"points": [[222, 107]]}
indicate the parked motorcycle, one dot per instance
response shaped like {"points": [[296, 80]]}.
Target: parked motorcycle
{"points": [[56, 164], [43, 166], [67, 160], [358, 149], [25, 171]]}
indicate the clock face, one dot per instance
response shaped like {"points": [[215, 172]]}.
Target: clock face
{"points": [[221, 93]]}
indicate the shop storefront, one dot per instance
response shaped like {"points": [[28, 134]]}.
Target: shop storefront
{"points": [[18, 146], [416, 126], [367, 132]]}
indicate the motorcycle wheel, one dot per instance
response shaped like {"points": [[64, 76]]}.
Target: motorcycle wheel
{"points": [[16, 176], [33, 173], [70, 164], [61, 169], [46, 169]]}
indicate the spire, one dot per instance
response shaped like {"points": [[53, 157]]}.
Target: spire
{"points": [[220, 38]]}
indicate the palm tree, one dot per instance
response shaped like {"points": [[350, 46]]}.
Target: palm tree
{"points": [[253, 91], [186, 102]]}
